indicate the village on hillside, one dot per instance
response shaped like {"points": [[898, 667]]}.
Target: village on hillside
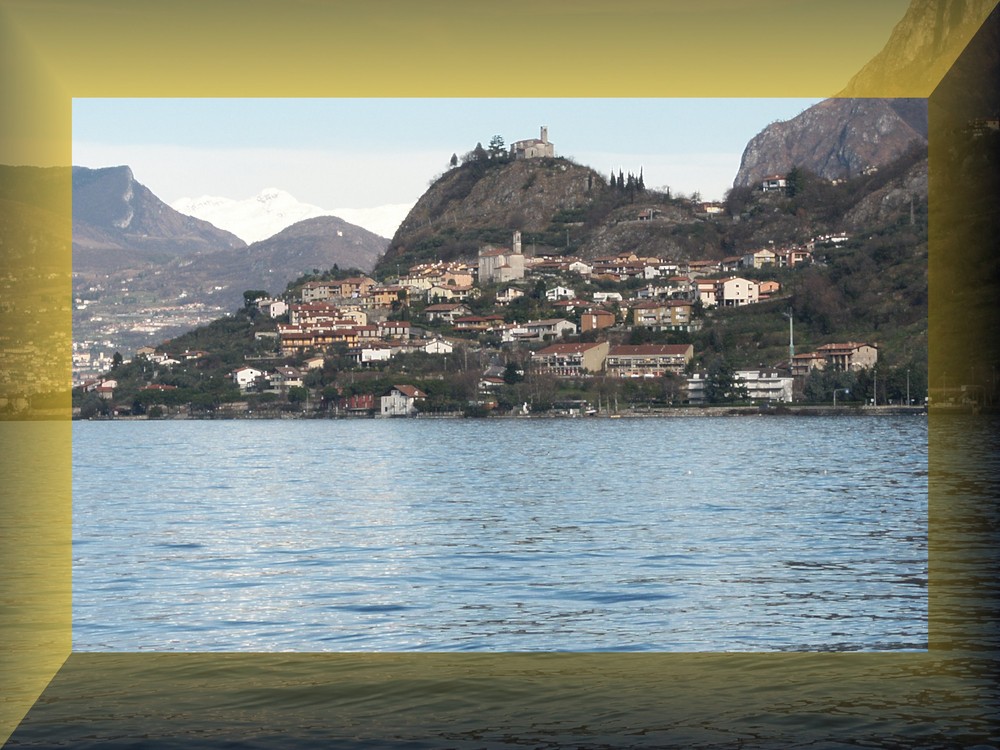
{"points": [[459, 310]]}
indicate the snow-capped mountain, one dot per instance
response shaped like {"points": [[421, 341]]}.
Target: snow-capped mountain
{"points": [[267, 213]]}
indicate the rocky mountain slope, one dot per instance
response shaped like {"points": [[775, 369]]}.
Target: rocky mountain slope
{"points": [[317, 243], [119, 223], [836, 139]]}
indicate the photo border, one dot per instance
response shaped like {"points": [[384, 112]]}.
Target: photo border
{"points": [[185, 49]]}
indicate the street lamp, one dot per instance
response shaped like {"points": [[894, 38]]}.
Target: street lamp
{"points": [[836, 391]]}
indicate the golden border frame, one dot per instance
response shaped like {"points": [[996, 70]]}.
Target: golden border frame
{"points": [[54, 50]]}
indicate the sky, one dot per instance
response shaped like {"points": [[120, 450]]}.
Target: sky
{"points": [[364, 153]]}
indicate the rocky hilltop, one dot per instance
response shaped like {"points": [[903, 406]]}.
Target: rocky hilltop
{"points": [[559, 206], [483, 201], [836, 139]]}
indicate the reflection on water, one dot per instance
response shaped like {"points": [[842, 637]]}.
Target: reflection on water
{"points": [[724, 534]]}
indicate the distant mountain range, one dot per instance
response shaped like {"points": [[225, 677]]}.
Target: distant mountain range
{"points": [[120, 228], [271, 210], [143, 271]]}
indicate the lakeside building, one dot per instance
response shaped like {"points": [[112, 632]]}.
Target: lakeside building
{"points": [[767, 385], [401, 401], [571, 360], [850, 355], [647, 360], [761, 385]]}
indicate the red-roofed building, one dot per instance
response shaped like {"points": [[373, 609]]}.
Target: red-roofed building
{"points": [[596, 318]]}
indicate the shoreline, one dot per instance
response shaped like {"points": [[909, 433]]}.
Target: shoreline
{"points": [[682, 412]]}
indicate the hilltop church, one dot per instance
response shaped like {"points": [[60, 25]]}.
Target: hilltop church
{"points": [[533, 148]]}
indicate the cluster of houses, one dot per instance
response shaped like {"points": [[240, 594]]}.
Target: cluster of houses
{"points": [[355, 312]]}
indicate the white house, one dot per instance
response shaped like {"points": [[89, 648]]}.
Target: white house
{"points": [[375, 351], [736, 292], [766, 385], [272, 308], [438, 346], [246, 377], [559, 292], [554, 328], [401, 400]]}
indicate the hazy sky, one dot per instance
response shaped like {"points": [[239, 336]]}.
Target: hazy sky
{"points": [[362, 153]]}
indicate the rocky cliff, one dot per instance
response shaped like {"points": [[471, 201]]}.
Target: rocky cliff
{"points": [[118, 222], [836, 139]]}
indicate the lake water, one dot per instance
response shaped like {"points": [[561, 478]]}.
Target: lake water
{"points": [[717, 534]]}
